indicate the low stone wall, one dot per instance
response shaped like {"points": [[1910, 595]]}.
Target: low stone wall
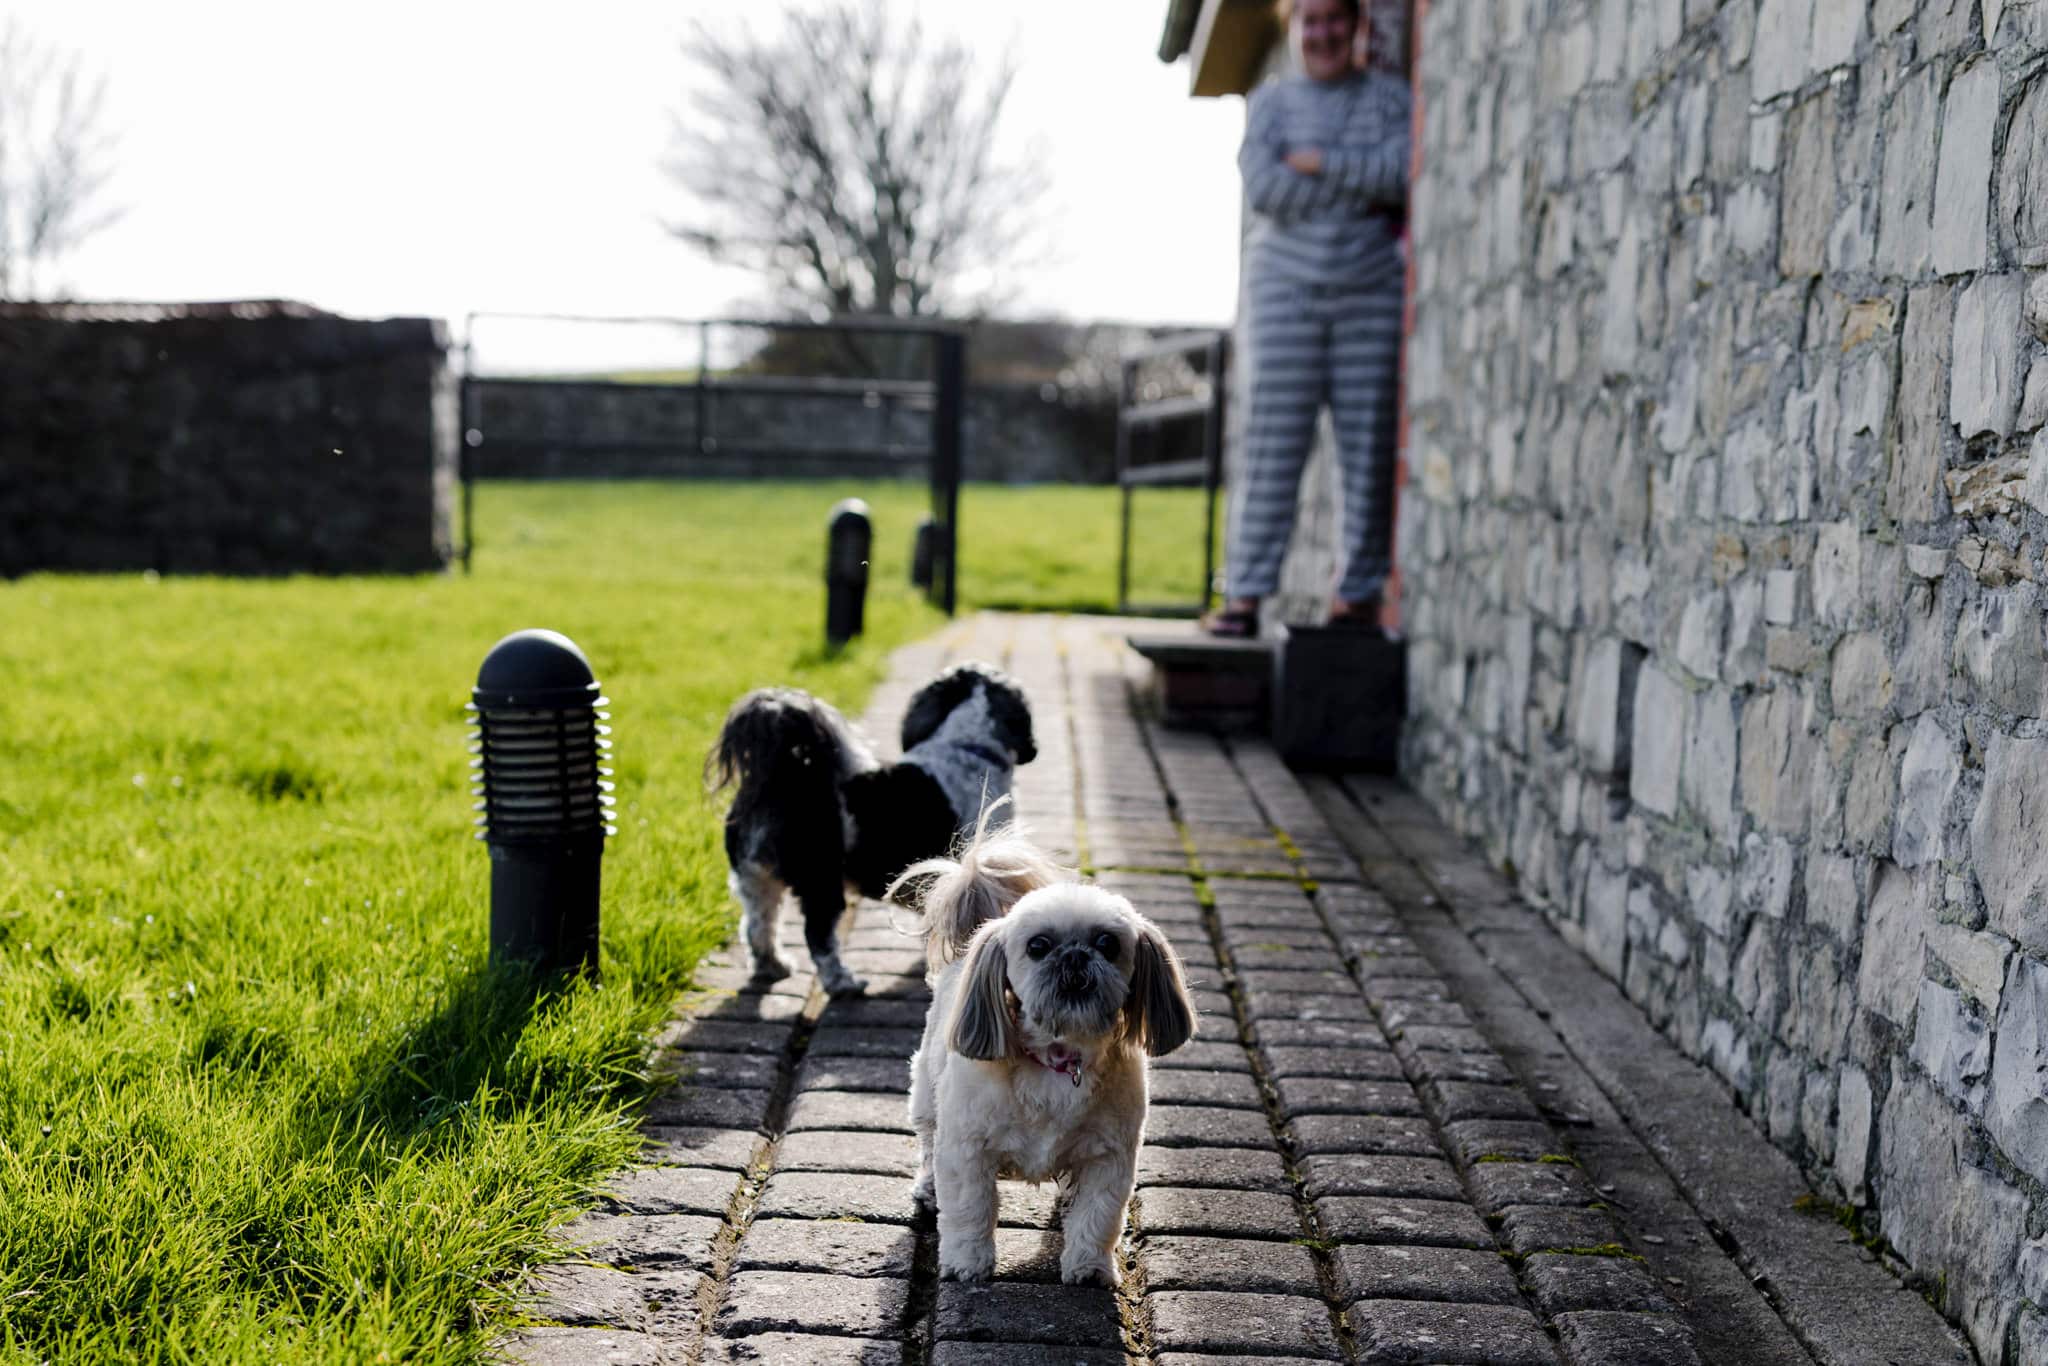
{"points": [[223, 439], [598, 430], [1724, 559]]}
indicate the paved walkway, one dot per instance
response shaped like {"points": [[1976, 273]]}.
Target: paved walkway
{"points": [[1372, 1152]]}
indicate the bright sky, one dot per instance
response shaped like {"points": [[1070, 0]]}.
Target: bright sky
{"points": [[433, 158]]}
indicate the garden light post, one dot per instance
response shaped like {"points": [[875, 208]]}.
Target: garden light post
{"points": [[923, 551], [851, 536], [545, 797]]}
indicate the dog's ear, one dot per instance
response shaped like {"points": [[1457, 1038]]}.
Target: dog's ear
{"points": [[1160, 1012], [981, 1019], [934, 702]]}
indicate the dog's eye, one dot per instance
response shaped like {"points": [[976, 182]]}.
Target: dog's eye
{"points": [[1106, 945], [1038, 946]]}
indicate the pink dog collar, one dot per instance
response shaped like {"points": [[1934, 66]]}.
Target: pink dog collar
{"points": [[1068, 1065]]}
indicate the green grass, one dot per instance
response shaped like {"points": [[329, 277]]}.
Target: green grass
{"points": [[260, 1096]]}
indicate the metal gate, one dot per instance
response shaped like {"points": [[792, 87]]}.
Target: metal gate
{"points": [[904, 414]]}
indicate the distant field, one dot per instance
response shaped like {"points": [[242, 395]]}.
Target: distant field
{"points": [[259, 1097]]}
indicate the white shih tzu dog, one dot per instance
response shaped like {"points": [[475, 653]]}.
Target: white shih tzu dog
{"points": [[1048, 994]]}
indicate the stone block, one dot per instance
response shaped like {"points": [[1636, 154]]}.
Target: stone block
{"points": [[1251, 1169], [1381, 1219], [1783, 51], [1050, 1315], [2023, 176], [1206, 1126], [1860, 677], [1231, 1090], [582, 1347], [1391, 1134], [1530, 1229], [856, 1110], [705, 1108], [796, 1302], [840, 1150], [1330, 1096], [2007, 835], [1807, 207], [1498, 1185], [1242, 1324], [1913, 492], [1656, 747], [1402, 1272], [1777, 758], [732, 1149], [1901, 908], [1365, 1064], [1984, 374], [580, 1295], [641, 1240], [1976, 958], [672, 1190], [1403, 1331], [1927, 779], [837, 1195], [836, 1247], [803, 1349], [1562, 1282], [2016, 1105], [1598, 1338], [1217, 1213], [1952, 1044], [1378, 1174], [1229, 1264], [1707, 780], [1962, 186]]}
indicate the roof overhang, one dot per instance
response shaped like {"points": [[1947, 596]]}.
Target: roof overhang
{"points": [[1229, 45]]}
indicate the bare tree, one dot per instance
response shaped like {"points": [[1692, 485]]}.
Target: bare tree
{"points": [[55, 158], [852, 160]]}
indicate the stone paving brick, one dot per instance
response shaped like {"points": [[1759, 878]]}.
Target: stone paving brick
{"points": [[671, 1190], [1220, 1054], [1231, 1090], [1329, 982], [1497, 1185], [728, 972], [1426, 1178], [836, 1195], [1392, 1134], [1267, 961], [1593, 1338], [728, 1071], [863, 1041], [1211, 1359], [1264, 1005], [890, 1075], [677, 1146], [1215, 1013], [1238, 1323], [1462, 1275], [1022, 1354], [1412, 1014], [796, 1302], [1403, 1331], [581, 1296], [1454, 1101], [640, 1239], [1537, 1228], [696, 1107], [587, 1347], [1561, 1282], [1053, 1315], [801, 1349], [752, 1008], [1486, 1067], [1028, 1254], [876, 1113], [1395, 1219], [1354, 1064], [1334, 1096], [844, 1150], [1229, 1264], [1249, 1169], [1386, 990], [1284, 945], [873, 1012], [1382, 962], [1207, 1126], [1279, 1033], [834, 1247], [1442, 1038], [1476, 1140], [1218, 1213]]}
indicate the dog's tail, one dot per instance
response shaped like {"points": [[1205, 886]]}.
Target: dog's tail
{"points": [[990, 871], [780, 746]]}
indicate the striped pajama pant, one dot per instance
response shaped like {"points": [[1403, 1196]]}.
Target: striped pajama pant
{"points": [[1311, 346]]}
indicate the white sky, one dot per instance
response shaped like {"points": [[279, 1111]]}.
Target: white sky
{"points": [[437, 157]]}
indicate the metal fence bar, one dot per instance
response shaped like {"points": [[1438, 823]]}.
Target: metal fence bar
{"points": [[949, 373], [1206, 471]]}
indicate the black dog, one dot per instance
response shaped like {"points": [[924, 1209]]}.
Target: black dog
{"points": [[817, 814]]}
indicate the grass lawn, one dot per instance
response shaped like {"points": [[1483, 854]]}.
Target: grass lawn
{"points": [[260, 1098]]}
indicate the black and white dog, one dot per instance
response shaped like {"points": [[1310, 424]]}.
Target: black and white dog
{"points": [[817, 814]]}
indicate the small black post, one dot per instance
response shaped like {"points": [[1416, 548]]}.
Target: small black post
{"points": [[949, 374], [922, 552], [850, 536], [546, 798]]}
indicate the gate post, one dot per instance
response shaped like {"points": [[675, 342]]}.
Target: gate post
{"points": [[949, 374]]}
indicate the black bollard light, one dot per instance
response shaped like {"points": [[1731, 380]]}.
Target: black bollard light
{"points": [[546, 797], [924, 553], [850, 536]]}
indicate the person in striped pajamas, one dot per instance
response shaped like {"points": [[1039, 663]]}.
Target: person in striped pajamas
{"points": [[1325, 165]]}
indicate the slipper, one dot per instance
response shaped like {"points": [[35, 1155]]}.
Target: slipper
{"points": [[1230, 623]]}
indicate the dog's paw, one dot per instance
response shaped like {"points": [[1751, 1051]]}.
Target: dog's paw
{"points": [[922, 1194], [771, 968], [1088, 1271], [975, 1262]]}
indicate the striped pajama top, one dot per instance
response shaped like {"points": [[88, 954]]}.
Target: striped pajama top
{"points": [[1340, 227]]}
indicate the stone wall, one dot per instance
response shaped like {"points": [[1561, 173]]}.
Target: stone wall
{"points": [[538, 429], [1723, 551], [223, 439]]}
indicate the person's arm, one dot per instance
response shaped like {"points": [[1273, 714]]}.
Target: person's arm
{"points": [[1272, 186], [1378, 173]]}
